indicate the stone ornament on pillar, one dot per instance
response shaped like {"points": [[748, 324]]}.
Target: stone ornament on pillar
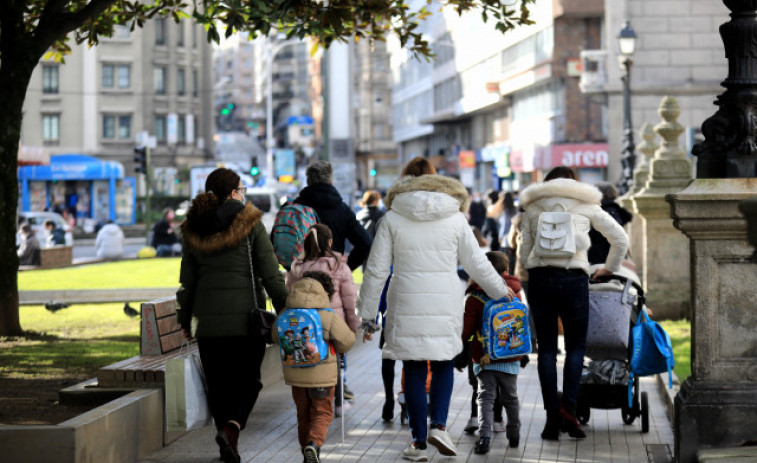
{"points": [[670, 169], [748, 207], [647, 148], [729, 149]]}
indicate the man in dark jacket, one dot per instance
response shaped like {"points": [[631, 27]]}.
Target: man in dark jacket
{"points": [[321, 195]]}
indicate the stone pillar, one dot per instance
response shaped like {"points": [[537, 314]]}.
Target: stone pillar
{"points": [[665, 273], [748, 207], [717, 405], [635, 229]]}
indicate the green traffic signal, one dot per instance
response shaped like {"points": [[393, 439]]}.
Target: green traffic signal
{"points": [[225, 111], [373, 172], [254, 170]]}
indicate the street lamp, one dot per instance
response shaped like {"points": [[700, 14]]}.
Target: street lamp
{"points": [[627, 45], [272, 50]]}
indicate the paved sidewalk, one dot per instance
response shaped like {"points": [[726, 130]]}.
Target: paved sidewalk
{"points": [[271, 434]]}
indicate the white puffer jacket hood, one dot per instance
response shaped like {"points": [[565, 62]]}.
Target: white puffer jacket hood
{"points": [[583, 202], [422, 237]]}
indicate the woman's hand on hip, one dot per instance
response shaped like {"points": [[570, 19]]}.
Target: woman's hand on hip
{"points": [[187, 334]]}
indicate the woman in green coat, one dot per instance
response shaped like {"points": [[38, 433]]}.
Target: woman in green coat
{"points": [[220, 234]]}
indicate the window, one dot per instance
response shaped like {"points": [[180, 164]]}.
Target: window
{"points": [[180, 82], [49, 79], [120, 32], [116, 127], [124, 76], [159, 75], [50, 127], [160, 128], [194, 83], [378, 131], [160, 31], [116, 75], [181, 129], [180, 34], [194, 34]]}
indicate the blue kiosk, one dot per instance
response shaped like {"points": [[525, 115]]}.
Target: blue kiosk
{"points": [[81, 185]]}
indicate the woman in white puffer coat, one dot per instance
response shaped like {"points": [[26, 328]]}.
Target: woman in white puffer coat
{"points": [[558, 281], [422, 237]]}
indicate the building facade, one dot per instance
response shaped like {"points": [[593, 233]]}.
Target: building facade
{"points": [[156, 79]]}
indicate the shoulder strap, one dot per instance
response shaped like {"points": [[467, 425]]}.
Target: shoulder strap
{"points": [[252, 273]]}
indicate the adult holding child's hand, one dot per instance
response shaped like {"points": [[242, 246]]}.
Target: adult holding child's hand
{"points": [[422, 237]]}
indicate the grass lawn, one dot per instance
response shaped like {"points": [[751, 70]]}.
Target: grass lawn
{"points": [[140, 273], [680, 336]]}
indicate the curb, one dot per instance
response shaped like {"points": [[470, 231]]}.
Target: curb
{"points": [[668, 394]]}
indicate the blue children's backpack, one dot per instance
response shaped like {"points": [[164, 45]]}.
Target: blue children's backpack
{"points": [[301, 342], [505, 330], [651, 352], [288, 231]]}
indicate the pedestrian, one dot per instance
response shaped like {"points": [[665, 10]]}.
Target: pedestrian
{"points": [[370, 213], [497, 379], [318, 255], [558, 277], [600, 247], [509, 211], [321, 195], [421, 239], [477, 211], [313, 387], [164, 238], [29, 251], [55, 236], [519, 270], [491, 224], [109, 243], [225, 239]]}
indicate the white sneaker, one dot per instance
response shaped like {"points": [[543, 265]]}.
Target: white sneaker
{"points": [[413, 454], [338, 411], [498, 426], [441, 440], [472, 425]]}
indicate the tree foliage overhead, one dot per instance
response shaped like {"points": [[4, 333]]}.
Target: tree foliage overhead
{"points": [[324, 21]]}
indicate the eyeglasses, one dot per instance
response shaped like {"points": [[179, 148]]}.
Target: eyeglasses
{"points": [[242, 189]]}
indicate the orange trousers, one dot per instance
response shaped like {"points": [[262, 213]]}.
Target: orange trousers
{"points": [[315, 410]]}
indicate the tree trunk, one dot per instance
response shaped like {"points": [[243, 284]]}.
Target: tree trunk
{"points": [[16, 69]]}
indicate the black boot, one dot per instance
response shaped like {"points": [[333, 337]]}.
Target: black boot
{"points": [[552, 428], [387, 413], [569, 422]]}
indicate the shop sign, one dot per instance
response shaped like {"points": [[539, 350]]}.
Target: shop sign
{"points": [[467, 159], [591, 155]]}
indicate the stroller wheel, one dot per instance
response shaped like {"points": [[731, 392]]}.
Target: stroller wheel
{"points": [[628, 415], [583, 414], [644, 413]]}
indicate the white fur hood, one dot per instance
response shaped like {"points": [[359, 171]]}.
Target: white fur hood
{"points": [[561, 188], [428, 197]]}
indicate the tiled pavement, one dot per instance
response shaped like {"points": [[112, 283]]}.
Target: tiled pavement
{"points": [[271, 434]]}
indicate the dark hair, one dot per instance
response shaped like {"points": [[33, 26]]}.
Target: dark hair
{"points": [[319, 172], [499, 260], [317, 243], [561, 172], [166, 211], [418, 166], [49, 223], [26, 228], [510, 203], [370, 197], [493, 196], [221, 182], [608, 190], [323, 278]]}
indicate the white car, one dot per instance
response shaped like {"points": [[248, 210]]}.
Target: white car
{"points": [[37, 221]]}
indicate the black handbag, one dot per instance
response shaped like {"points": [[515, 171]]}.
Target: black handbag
{"points": [[260, 321]]}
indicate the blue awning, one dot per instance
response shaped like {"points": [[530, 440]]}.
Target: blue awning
{"points": [[73, 167]]}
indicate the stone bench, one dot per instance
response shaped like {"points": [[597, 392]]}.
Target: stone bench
{"points": [[56, 256], [160, 339]]}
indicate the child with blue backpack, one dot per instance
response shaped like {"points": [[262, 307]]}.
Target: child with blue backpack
{"points": [[493, 375], [318, 341]]}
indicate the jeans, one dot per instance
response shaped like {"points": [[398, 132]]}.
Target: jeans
{"points": [[442, 380], [564, 292], [232, 373]]}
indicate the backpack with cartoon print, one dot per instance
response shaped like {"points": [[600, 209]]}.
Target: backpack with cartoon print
{"points": [[300, 334]]}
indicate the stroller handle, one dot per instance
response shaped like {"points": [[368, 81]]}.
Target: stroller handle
{"points": [[624, 280]]}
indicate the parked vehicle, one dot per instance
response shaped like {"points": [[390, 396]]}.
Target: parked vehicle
{"points": [[37, 221]]}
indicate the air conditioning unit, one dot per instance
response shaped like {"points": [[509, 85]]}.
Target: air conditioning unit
{"points": [[593, 71]]}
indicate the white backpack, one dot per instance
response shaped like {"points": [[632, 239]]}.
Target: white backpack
{"points": [[555, 235]]}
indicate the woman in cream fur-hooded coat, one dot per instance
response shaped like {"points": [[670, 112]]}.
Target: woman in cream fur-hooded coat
{"points": [[422, 237]]}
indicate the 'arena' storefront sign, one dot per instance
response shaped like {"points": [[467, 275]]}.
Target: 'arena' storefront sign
{"points": [[592, 155]]}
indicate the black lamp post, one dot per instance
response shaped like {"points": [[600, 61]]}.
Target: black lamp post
{"points": [[627, 44]]}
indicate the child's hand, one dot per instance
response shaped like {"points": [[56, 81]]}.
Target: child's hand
{"points": [[367, 336], [485, 360]]}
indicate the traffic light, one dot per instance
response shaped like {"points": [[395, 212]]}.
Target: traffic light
{"points": [[254, 169], [373, 172], [140, 157]]}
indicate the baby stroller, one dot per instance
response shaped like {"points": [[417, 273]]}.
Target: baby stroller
{"points": [[604, 382]]}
